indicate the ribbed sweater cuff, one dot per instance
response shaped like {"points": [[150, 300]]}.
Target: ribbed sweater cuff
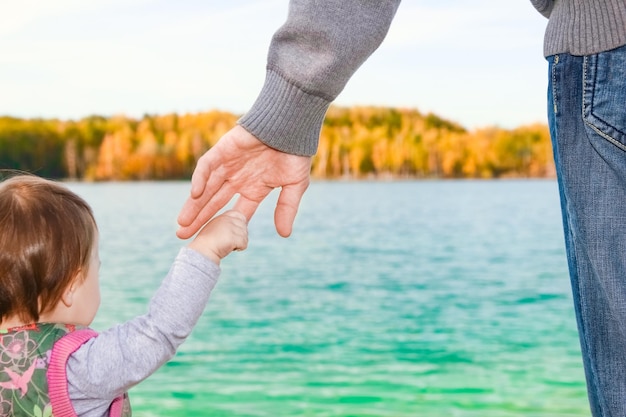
{"points": [[285, 117]]}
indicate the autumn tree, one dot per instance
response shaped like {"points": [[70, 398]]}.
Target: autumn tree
{"points": [[355, 142]]}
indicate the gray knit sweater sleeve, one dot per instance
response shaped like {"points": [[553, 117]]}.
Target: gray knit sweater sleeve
{"points": [[583, 27], [543, 6], [310, 60], [119, 358]]}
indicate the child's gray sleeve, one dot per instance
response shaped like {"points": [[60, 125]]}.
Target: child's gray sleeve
{"points": [[119, 358]]}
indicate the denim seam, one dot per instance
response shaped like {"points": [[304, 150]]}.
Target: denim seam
{"points": [[555, 62], [605, 136], [587, 104]]}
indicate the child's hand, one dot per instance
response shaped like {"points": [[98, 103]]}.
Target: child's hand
{"points": [[222, 235]]}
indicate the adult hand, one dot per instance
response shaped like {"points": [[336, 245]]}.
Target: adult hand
{"points": [[241, 164]]}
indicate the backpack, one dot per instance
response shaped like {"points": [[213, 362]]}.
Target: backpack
{"points": [[35, 356]]}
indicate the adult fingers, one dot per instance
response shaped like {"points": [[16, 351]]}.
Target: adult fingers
{"points": [[287, 207], [194, 205], [202, 173], [246, 206], [219, 200]]}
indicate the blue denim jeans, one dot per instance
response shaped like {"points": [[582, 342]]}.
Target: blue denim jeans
{"points": [[587, 115]]}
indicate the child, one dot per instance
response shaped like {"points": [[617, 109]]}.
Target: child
{"points": [[50, 362]]}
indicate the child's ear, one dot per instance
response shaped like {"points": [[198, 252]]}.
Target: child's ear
{"points": [[68, 294]]}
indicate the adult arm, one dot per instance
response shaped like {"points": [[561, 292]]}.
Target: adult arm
{"points": [[543, 6], [310, 60]]}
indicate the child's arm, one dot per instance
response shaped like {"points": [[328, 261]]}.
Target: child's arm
{"points": [[121, 357]]}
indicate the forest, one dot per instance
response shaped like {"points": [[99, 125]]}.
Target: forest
{"points": [[355, 143]]}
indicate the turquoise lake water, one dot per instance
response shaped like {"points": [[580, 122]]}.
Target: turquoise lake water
{"points": [[395, 299]]}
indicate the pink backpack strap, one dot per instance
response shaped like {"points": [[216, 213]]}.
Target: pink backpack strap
{"points": [[117, 406], [57, 374]]}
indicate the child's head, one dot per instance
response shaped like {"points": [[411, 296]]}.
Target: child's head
{"points": [[48, 237]]}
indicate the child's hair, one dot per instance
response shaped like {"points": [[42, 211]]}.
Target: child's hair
{"points": [[46, 237]]}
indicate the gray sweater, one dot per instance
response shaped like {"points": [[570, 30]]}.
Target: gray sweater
{"points": [[119, 358], [322, 43], [583, 27]]}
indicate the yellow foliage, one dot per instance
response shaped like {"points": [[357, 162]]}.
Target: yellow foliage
{"points": [[356, 142]]}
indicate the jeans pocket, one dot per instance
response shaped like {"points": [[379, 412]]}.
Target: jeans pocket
{"points": [[604, 95]]}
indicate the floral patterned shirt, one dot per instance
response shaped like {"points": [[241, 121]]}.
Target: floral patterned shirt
{"points": [[32, 370]]}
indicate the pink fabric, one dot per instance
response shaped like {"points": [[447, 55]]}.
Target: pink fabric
{"points": [[57, 376], [117, 406]]}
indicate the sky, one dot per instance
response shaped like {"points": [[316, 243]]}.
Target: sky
{"points": [[477, 63]]}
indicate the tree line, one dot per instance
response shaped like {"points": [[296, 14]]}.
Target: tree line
{"points": [[355, 142]]}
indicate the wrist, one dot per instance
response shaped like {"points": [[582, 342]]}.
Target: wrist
{"points": [[285, 117], [206, 252]]}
